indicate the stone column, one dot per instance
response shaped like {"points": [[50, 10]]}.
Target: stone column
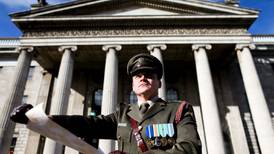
{"points": [[212, 123], [256, 99], [43, 96], [110, 88], [155, 50], [59, 103], [15, 97]]}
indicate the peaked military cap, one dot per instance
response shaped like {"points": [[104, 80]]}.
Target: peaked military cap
{"points": [[144, 62]]}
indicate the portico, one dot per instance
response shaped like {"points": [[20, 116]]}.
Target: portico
{"points": [[194, 52]]}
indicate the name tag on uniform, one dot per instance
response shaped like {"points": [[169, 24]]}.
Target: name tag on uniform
{"points": [[122, 124]]}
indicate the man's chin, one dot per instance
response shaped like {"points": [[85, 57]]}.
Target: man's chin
{"points": [[143, 92]]}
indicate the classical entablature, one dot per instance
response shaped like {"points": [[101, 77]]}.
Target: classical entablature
{"points": [[92, 23]]}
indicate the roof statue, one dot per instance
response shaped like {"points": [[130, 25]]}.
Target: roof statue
{"points": [[232, 2], [43, 2], [40, 3]]}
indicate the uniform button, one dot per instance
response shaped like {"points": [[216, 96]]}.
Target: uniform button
{"points": [[140, 128]]}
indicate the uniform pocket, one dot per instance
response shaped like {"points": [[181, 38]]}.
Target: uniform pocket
{"points": [[124, 134]]}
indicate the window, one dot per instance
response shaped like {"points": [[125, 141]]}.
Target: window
{"points": [[132, 97], [94, 107], [172, 95], [98, 97], [1, 69], [25, 99], [31, 72], [272, 65]]}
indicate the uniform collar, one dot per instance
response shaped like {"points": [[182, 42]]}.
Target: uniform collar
{"points": [[151, 102], [159, 105]]}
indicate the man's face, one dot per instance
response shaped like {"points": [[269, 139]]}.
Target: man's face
{"points": [[146, 84]]}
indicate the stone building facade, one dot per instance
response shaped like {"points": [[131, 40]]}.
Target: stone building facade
{"points": [[80, 50]]}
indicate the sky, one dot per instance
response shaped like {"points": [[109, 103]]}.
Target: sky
{"points": [[263, 25]]}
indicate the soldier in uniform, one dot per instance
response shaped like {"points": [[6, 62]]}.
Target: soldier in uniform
{"points": [[149, 126]]}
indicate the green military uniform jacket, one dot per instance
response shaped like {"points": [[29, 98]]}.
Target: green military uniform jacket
{"points": [[118, 126]]}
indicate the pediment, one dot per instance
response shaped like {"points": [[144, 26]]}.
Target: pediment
{"points": [[136, 11], [134, 8], [141, 13]]}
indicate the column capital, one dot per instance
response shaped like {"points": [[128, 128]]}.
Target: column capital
{"points": [[108, 47], [71, 48], [242, 46], [205, 46], [162, 47], [28, 49]]}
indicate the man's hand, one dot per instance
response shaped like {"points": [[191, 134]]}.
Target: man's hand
{"points": [[18, 113]]}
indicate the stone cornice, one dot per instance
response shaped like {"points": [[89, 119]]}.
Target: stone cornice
{"points": [[136, 32], [9, 42], [263, 39], [135, 18], [87, 22]]}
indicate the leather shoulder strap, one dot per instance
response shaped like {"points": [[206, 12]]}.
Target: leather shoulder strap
{"points": [[178, 116], [137, 135]]}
